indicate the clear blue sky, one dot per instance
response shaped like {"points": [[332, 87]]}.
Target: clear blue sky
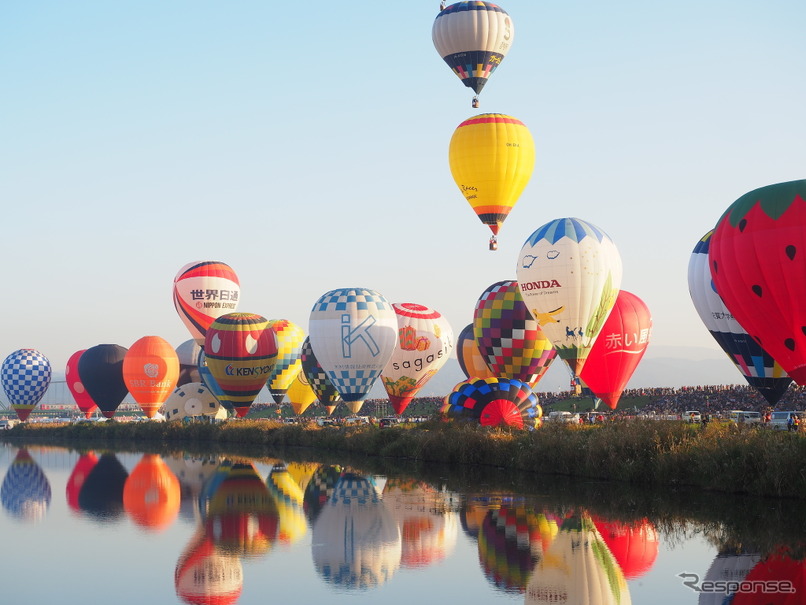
{"points": [[306, 146]]}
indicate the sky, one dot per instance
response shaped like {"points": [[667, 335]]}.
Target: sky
{"points": [[306, 145]]}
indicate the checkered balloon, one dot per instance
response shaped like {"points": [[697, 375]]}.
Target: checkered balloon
{"points": [[25, 377]]}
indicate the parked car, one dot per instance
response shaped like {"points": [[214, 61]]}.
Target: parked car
{"points": [[692, 416], [744, 417], [388, 421], [563, 417]]}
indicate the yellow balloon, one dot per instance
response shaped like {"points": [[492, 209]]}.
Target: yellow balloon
{"points": [[300, 394], [492, 157]]}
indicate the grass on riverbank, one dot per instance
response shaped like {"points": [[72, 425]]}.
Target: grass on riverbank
{"points": [[723, 457]]}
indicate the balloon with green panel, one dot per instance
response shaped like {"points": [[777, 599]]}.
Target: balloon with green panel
{"points": [[758, 263]]}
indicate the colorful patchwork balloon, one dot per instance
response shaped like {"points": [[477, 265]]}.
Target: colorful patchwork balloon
{"points": [[509, 339], [25, 376], [240, 350], [324, 390], [470, 359], [494, 402]]}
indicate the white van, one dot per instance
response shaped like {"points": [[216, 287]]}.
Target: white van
{"points": [[779, 420], [743, 417], [563, 417]]}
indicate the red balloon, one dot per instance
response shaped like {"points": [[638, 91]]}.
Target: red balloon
{"points": [[618, 349], [80, 394], [634, 545], [758, 259]]}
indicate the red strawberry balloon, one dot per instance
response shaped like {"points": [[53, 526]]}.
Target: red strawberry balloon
{"points": [[758, 264]]}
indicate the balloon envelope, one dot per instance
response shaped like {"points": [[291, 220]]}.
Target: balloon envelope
{"points": [[189, 400], [80, 395], [188, 354], [494, 402], [317, 378], [425, 342], [758, 257], [204, 291], [473, 38], [508, 337], [471, 361], [759, 369], [240, 350], [25, 375], [289, 348], [353, 332], [150, 371], [300, 394], [492, 157], [619, 348], [101, 371], [569, 273]]}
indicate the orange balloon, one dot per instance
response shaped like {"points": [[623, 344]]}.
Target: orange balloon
{"points": [[151, 494], [151, 371]]}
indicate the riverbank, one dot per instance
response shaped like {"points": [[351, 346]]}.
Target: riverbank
{"points": [[722, 457]]}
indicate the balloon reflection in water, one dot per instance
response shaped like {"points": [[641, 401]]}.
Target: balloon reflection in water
{"points": [[356, 541], [319, 490], [511, 541], [730, 565], [289, 499], [205, 575], [635, 545], [777, 579], [577, 567], [193, 473], [302, 473], [151, 495], [84, 465], [242, 516], [101, 497], [25, 492], [428, 524]]}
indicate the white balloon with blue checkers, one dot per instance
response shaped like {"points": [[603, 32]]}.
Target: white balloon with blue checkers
{"points": [[25, 376]]}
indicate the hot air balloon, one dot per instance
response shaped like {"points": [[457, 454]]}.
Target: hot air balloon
{"points": [[569, 273], [634, 545], [783, 572], [101, 371], [151, 494], [25, 491], [508, 337], [356, 543], [619, 348], [78, 476], [324, 390], [494, 402], [242, 516], [577, 567], [210, 383], [730, 567], [759, 369], [150, 371], [491, 158], [757, 260], [188, 353], [473, 38], [289, 348], [25, 376], [83, 400], [425, 342], [353, 332], [101, 496], [470, 359], [190, 400], [205, 575], [240, 349], [300, 394], [204, 291]]}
